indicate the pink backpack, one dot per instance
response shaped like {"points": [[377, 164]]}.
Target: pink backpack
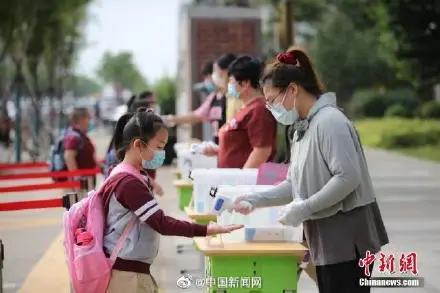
{"points": [[89, 268]]}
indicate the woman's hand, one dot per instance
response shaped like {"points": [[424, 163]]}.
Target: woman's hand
{"points": [[210, 151], [294, 213], [214, 228], [242, 206]]}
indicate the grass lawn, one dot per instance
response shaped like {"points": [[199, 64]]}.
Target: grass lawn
{"points": [[374, 132], [427, 152]]}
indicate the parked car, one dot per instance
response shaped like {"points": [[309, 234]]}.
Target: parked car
{"points": [[108, 108]]}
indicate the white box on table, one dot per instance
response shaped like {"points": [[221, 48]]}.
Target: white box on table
{"points": [[206, 179], [187, 161], [261, 225], [178, 146]]}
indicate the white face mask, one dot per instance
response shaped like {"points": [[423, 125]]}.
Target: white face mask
{"points": [[282, 115], [218, 80]]}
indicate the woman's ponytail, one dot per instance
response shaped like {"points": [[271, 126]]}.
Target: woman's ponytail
{"points": [[119, 135], [306, 65], [293, 66]]}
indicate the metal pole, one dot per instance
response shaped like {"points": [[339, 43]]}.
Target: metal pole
{"points": [[70, 199], [2, 257], [18, 91]]}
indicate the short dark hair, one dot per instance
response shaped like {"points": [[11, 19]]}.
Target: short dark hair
{"points": [[293, 66], [143, 124], [140, 100], [207, 68], [246, 68], [225, 60], [145, 95], [78, 114]]}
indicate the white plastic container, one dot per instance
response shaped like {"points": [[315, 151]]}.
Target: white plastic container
{"points": [[273, 233], [261, 219], [205, 179], [179, 146], [187, 161]]}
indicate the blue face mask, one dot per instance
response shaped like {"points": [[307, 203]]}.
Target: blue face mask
{"points": [[92, 126], [209, 86], [232, 91], [155, 162]]}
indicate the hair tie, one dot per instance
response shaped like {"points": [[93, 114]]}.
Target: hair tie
{"points": [[287, 58]]}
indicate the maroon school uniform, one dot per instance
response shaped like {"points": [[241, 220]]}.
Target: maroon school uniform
{"points": [[151, 173], [124, 198], [252, 127], [85, 157], [133, 195]]}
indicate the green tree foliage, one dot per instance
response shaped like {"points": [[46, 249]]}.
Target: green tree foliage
{"points": [[82, 85], [304, 10], [63, 40], [166, 91], [36, 37], [416, 25], [36, 33], [121, 69], [347, 58]]}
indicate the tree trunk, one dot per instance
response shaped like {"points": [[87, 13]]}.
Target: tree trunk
{"points": [[18, 87], [59, 91], [36, 101]]}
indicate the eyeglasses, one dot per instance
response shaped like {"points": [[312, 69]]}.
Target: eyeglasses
{"points": [[271, 100]]}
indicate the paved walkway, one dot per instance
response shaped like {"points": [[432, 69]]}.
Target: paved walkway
{"points": [[27, 235], [408, 191]]}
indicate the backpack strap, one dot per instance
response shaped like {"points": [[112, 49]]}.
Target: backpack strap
{"points": [[121, 240], [121, 168], [76, 133], [127, 168]]}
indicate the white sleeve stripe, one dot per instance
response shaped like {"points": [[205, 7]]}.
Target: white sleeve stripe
{"points": [[149, 213], [145, 207]]}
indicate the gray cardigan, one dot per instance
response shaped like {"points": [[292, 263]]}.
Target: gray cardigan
{"points": [[329, 173]]}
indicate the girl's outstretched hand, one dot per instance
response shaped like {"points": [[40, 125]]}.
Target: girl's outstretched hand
{"points": [[215, 228]]}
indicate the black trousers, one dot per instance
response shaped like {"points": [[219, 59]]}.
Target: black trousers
{"points": [[341, 278]]}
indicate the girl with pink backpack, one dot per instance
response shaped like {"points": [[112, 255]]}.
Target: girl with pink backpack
{"points": [[112, 236]]}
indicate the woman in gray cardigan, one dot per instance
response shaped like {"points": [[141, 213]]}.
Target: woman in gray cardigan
{"points": [[328, 187]]}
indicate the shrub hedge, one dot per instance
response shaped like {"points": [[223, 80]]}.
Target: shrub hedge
{"points": [[374, 103], [394, 133]]}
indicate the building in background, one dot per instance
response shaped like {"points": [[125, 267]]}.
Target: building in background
{"points": [[206, 32]]}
